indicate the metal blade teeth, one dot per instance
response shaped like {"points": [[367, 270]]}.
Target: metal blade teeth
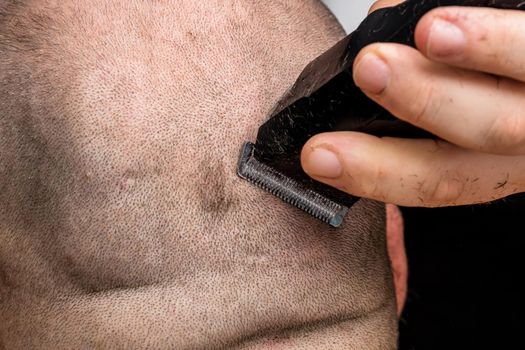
{"points": [[288, 189]]}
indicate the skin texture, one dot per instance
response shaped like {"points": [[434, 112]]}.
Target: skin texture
{"points": [[465, 83], [122, 223], [396, 251]]}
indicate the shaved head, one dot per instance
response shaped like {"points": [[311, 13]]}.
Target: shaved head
{"points": [[122, 223]]}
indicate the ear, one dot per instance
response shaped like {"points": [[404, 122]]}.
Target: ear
{"points": [[396, 251]]}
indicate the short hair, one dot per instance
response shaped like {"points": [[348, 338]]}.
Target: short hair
{"points": [[120, 127], [71, 64]]}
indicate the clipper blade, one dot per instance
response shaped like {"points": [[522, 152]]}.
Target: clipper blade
{"points": [[288, 189], [325, 98]]}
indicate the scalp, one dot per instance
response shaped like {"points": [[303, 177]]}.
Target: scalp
{"points": [[122, 123], [132, 107], [151, 80]]}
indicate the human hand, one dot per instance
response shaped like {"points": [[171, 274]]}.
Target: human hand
{"points": [[465, 83]]}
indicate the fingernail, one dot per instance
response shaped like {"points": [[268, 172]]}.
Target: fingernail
{"points": [[372, 74], [445, 39], [323, 163]]}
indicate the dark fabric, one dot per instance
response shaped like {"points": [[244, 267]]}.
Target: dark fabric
{"points": [[466, 269]]}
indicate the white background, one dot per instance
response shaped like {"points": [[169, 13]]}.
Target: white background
{"points": [[349, 12]]}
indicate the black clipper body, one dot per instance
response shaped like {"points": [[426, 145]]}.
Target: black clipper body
{"points": [[325, 98]]}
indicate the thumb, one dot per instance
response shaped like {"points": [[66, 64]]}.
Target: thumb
{"points": [[411, 172]]}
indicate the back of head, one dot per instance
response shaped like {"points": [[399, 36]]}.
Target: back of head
{"points": [[120, 130]]}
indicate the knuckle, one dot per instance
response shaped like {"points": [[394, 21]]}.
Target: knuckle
{"points": [[506, 134], [425, 106], [442, 189], [499, 55], [375, 187], [494, 44], [441, 186], [506, 32]]}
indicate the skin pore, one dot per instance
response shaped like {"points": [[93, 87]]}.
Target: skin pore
{"points": [[122, 223]]}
